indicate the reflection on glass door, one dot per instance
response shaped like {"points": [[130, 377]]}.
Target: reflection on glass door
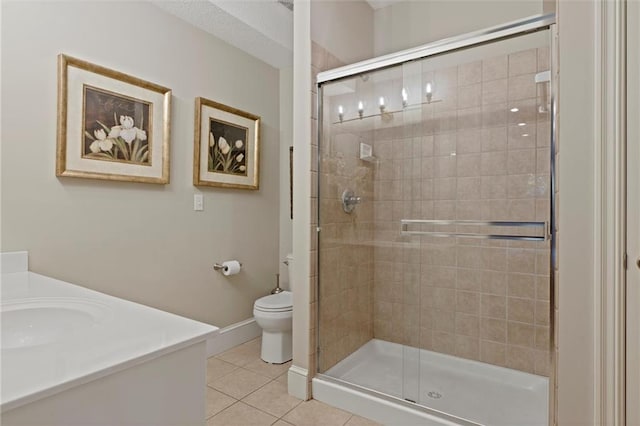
{"points": [[433, 250]]}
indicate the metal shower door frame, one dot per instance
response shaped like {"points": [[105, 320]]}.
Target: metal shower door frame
{"points": [[497, 33]]}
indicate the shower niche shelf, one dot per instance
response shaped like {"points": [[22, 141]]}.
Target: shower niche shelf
{"points": [[387, 114]]}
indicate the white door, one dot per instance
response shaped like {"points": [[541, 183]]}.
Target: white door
{"points": [[633, 215]]}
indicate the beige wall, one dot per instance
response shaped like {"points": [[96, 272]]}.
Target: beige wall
{"points": [[412, 23], [286, 141], [344, 28], [141, 242], [578, 213]]}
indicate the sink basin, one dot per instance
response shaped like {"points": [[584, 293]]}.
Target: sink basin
{"points": [[41, 321]]}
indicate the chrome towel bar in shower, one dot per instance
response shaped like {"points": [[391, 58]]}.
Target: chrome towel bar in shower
{"points": [[542, 235]]}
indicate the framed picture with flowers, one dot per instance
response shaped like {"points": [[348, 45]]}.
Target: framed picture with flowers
{"points": [[226, 146], [111, 125]]}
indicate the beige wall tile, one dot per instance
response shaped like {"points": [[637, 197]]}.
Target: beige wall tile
{"points": [[469, 279], [494, 68], [444, 166], [468, 188], [521, 285], [492, 352], [542, 314], [542, 363], [468, 118], [468, 165], [521, 358], [467, 325], [468, 302], [520, 334], [521, 161], [542, 338], [470, 73], [494, 330], [543, 134], [469, 141], [521, 260], [438, 276], [527, 112], [521, 310], [494, 139], [444, 320], [524, 62], [522, 87], [494, 91], [444, 143], [542, 288], [493, 306], [493, 187], [494, 282], [493, 163], [470, 96], [446, 77], [494, 115], [522, 209], [444, 342], [521, 137], [467, 347]]}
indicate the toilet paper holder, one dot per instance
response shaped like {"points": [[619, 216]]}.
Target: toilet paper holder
{"points": [[219, 266]]}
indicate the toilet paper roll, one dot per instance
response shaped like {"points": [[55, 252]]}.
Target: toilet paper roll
{"points": [[230, 267]]}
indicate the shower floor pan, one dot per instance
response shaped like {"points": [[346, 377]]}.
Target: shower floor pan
{"points": [[480, 393]]}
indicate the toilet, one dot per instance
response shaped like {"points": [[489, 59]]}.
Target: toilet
{"points": [[274, 314]]}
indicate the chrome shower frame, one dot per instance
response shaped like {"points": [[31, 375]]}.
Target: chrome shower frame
{"points": [[509, 30]]}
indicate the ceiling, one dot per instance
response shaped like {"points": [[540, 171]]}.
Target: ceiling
{"points": [[263, 28]]}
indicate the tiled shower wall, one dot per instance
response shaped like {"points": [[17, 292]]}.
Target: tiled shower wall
{"points": [[468, 156], [346, 258]]}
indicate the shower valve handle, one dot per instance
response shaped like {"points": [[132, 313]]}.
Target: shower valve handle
{"points": [[349, 201]]}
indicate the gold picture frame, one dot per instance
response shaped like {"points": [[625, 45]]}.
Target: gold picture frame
{"points": [[226, 149], [111, 125]]}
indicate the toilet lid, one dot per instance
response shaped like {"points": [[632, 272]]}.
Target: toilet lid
{"points": [[275, 302]]}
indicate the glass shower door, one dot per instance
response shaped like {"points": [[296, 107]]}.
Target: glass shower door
{"points": [[433, 252]]}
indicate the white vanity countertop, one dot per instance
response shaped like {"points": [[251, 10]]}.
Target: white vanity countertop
{"points": [[83, 335]]}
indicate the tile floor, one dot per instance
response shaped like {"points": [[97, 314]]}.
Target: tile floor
{"points": [[243, 390]]}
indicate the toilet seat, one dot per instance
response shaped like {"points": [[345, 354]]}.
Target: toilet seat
{"points": [[281, 302]]}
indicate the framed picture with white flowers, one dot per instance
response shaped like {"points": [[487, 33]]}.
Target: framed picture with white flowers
{"points": [[111, 125], [226, 146]]}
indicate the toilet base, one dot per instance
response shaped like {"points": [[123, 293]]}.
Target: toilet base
{"points": [[276, 346]]}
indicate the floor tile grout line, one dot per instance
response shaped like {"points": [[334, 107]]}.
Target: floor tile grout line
{"points": [[272, 415], [225, 394], [223, 410], [225, 374], [297, 405], [264, 375], [258, 408]]}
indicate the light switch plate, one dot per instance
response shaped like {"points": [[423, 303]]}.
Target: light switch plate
{"points": [[198, 202]]}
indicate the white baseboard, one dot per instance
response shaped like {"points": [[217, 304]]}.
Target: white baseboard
{"points": [[233, 335], [297, 381]]}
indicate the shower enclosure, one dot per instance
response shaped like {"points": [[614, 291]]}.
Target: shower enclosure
{"points": [[435, 219]]}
